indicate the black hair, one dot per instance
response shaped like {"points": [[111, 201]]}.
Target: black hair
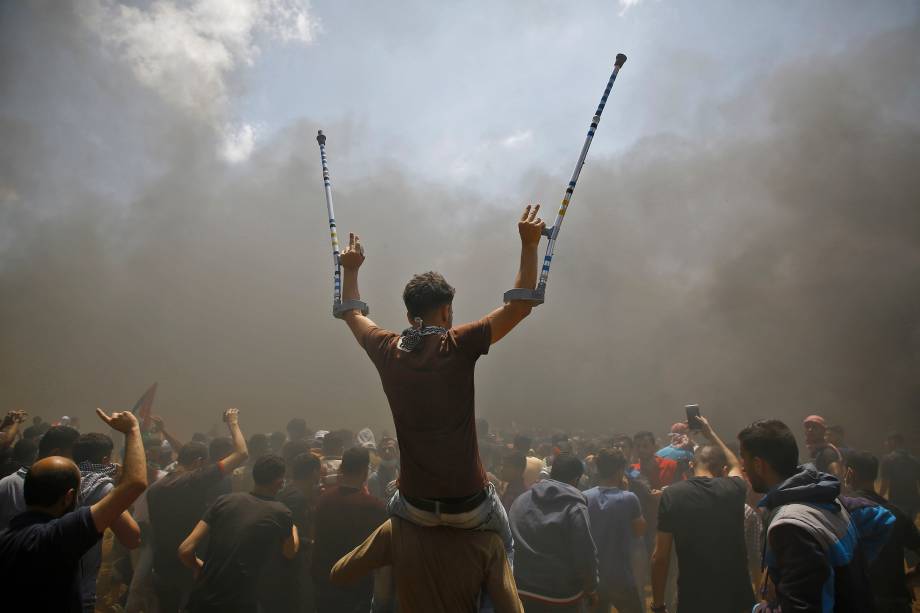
{"points": [[772, 441], [305, 465], [355, 461], [268, 469], [426, 292], [610, 462], [297, 428], [644, 435], [49, 485], [864, 464], [92, 447], [257, 445], [24, 451], [522, 443], [190, 452], [219, 448], [516, 460], [61, 438], [712, 458], [199, 437], [32, 432], [620, 440], [567, 468], [333, 443]]}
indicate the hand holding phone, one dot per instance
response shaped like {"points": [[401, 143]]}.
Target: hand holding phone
{"points": [[693, 417]]}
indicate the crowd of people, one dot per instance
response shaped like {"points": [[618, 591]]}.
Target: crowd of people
{"points": [[446, 515]]}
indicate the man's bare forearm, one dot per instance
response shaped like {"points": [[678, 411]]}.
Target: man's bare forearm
{"points": [[350, 284], [527, 271]]}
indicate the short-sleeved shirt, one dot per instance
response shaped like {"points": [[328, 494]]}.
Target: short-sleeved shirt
{"points": [[12, 499], [824, 456], [706, 517], [902, 471], [245, 530], [39, 560], [612, 512], [344, 517], [431, 395], [176, 502]]}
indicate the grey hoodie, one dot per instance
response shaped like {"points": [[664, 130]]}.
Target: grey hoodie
{"points": [[555, 559]]}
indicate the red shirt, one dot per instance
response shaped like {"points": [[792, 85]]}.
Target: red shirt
{"points": [[661, 475], [430, 390]]}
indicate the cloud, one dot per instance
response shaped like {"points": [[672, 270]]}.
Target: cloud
{"points": [[518, 139], [625, 5], [238, 143]]}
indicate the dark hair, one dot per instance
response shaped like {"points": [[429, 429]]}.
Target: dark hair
{"points": [[864, 464], [276, 440], [61, 438], [24, 451], [190, 452], [304, 466], [333, 443], [515, 459], [199, 437], [772, 441], [219, 448], [32, 432], [92, 447], [426, 292], [482, 428], [257, 445], [292, 449], [567, 468], [522, 443], [355, 461], [48, 486], [711, 457], [644, 435], [297, 428], [620, 440], [610, 462], [268, 469]]}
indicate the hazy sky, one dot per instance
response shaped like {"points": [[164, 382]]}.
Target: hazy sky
{"points": [[745, 235]]}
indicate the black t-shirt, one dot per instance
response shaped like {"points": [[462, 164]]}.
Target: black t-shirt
{"points": [[706, 517], [39, 560], [345, 516], [245, 531], [825, 456], [902, 471], [176, 503], [886, 572]]}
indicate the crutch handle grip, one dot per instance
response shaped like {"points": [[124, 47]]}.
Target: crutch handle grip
{"points": [[532, 297], [340, 308], [621, 59], [548, 231], [321, 138]]}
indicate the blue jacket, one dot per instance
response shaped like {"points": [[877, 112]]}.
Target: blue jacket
{"points": [[819, 544], [555, 559]]}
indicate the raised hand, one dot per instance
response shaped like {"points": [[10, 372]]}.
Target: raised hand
{"points": [[353, 256], [232, 416], [123, 422], [530, 227]]}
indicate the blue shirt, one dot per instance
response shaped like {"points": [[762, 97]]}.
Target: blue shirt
{"points": [[611, 512]]}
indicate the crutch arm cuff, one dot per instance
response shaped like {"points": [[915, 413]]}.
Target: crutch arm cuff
{"points": [[340, 308], [532, 297]]}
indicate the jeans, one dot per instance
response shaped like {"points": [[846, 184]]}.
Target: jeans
{"points": [[489, 516]]}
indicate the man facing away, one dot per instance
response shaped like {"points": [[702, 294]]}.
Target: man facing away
{"points": [[40, 552], [900, 476], [177, 501], [243, 529], [427, 375], [886, 573], [555, 560], [815, 553], [703, 517], [616, 523]]}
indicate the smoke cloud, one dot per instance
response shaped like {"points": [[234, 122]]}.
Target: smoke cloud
{"points": [[770, 267]]}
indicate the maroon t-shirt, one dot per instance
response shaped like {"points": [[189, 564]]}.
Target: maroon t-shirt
{"points": [[431, 391]]}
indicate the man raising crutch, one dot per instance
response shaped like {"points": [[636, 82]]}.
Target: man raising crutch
{"points": [[427, 375]]}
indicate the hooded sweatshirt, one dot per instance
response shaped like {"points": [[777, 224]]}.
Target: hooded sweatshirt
{"points": [[555, 559], [818, 545]]}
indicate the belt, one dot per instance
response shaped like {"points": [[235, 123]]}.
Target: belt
{"points": [[448, 506]]}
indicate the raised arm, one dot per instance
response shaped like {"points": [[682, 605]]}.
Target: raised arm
{"points": [[175, 443], [133, 480], [240, 451], [734, 465], [351, 260], [506, 317], [9, 429]]}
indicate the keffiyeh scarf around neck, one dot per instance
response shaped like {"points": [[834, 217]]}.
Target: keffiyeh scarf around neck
{"points": [[93, 475], [411, 337]]}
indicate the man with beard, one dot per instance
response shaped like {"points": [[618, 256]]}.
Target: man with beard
{"points": [[40, 552], [816, 557]]}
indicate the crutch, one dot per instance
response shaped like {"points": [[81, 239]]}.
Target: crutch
{"points": [[339, 308], [536, 296]]}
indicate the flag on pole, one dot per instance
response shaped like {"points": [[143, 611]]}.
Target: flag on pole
{"points": [[143, 406]]}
